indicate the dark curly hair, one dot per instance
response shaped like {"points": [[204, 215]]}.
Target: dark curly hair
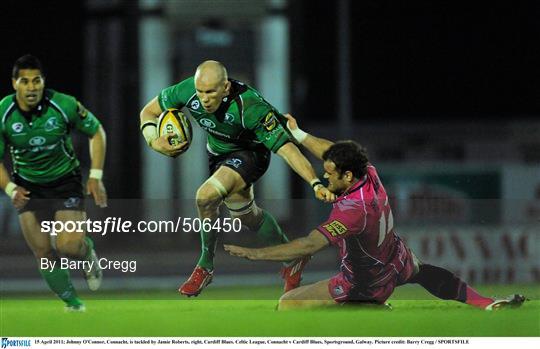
{"points": [[348, 156], [26, 62]]}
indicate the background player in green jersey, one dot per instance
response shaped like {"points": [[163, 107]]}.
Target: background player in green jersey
{"points": [[46, 181], [243, 129]]}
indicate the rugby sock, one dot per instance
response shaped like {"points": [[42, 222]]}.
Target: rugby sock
{"points": [[60, 283], [445, 285], [270, 232], [208, 249], [89, 247]]}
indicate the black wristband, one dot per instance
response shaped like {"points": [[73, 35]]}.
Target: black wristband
{"points": [[316, 184], [148, 123]]}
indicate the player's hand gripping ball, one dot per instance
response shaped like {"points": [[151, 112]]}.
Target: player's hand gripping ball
{"points": [[173, 121]]}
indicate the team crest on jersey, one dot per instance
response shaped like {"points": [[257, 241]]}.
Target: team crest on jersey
{"points": [[51, 124], [17, 127], [336, 228], [195, 104], [82, 111], [270, 121], [236, 162], [72, 202]]}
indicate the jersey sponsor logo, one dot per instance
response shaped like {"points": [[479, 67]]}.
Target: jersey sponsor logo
{"points": [[207, 123], [82, 111], [270, 121], [195, 104], [72, 202], [36, 141], [336, 228], [51, 124], [229, 118], [17, 127], [236, 162], [217, 133]]}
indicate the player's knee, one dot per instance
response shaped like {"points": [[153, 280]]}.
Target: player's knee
{"points": [[70, 245], [287, 302], [207, 197]]}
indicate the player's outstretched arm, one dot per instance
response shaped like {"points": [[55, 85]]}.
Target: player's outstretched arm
{"points": [[305, 246], [298, 162], [148, 117], [98, 149], [316, 146]]}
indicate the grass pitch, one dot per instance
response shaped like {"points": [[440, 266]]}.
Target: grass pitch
{"points": [[227, 312]]}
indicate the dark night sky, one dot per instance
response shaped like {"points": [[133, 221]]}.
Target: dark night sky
{"points": [[410, 58], [417, 59], [50, 30]]}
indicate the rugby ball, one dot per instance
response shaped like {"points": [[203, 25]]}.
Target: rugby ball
{"points": [[175, 122]]}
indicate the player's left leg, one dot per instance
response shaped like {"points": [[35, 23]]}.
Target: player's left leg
{"points": [[242, 205], [76, 245], [309, 296], [444, 284]]}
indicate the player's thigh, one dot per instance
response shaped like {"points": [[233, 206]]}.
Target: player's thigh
{"points": [[308, 296], [74, 231], [38, 241]]}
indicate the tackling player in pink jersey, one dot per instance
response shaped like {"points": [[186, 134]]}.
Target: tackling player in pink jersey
{"points": [[374, 259]]}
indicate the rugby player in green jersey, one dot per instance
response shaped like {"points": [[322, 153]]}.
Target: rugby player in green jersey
{"points": [[46, 182], [243, 129]]}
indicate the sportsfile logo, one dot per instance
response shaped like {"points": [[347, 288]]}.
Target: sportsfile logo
{"points": [[6, 342]]}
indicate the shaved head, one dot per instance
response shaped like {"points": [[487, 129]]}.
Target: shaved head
{"points": [[211, 84], [211, 72]]}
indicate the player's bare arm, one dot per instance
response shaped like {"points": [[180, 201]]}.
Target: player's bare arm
{"points": [[304, 246], [19, 195], [315, 145], [298, 162], [148, 117], [94, 186]]}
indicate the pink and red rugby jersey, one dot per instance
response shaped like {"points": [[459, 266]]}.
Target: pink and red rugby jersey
{"points": [[362, 226]]}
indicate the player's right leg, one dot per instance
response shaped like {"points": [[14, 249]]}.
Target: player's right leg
{"points": [[309, 296], [57, 279], [210, 196]]}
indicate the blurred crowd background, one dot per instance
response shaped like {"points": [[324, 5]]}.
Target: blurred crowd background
{"points": [[444, 94]]}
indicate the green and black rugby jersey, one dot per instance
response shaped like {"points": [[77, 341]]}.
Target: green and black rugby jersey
{"points": [[39, 142], [243, 121]]}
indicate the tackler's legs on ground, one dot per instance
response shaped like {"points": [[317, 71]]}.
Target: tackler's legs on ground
{"points": [[446, 285]]}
